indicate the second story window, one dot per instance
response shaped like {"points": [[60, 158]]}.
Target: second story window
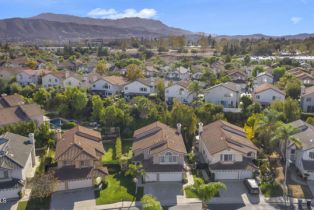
{"points": [[311, 155], [274, 97], [308, 99], [226, 157], [143, 89]]}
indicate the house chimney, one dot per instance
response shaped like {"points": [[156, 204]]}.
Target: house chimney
{"points": [[179, 128], [59, 134], [200, 128], [31, 138]]}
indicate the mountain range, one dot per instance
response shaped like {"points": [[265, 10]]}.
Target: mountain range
{"points": [[59, 27]]}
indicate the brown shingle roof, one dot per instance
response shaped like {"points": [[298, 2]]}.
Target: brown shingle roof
{"points": [[116, 80], [267, 86], [19, 113], [221, 135], [158, 137], [11, 100], [72, 173], [85, 139], [308, 90]]}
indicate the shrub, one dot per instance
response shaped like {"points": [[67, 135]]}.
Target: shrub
{"points": [[118, 147], [68, 125]]}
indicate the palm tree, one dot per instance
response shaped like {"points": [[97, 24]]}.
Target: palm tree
{"points": [[205, 192], [265, 125], [284, 134]]}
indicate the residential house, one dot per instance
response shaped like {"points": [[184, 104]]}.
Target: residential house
{"points": [[78, 155], [8, 74], [54, 79], [227, 150], [180, 92], [13, 109], [237, 77], [226, 94], [303, 75], [197, 76], [29, 76], [262, 78], [266, 93], [161, 151], [17, 162], [180, 73], [307, 99], [303, 157], [151, 71], [139, 87], [109, 85]]}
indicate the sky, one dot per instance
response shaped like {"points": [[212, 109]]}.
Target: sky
{"points": [[223, 17]]}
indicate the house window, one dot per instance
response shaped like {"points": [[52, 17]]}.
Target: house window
{"points": [[94, 85], [181, 91], [274, 97], [311, 155], [143, 89], [168, 158], [292, 151], [69, 83], [257, 96], [84, 163], [4, 174], [56, 80], [126, 88], [49, 80], [106, 86], [308, 99], [226, 157]]}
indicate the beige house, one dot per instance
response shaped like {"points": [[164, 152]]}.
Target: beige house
{"points": [[78, 154], [266, 93], [161, 150], [226, 150]]}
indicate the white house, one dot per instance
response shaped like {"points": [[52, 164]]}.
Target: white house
{"points": [[303, 157], [161, 151], [54, 79], [109, 85], [226, 150], [263, 78], [17, 158], [180, 73], [29, 76], [307, 99], [180, 92], [266, 93], [226, 94], [139, 87]]}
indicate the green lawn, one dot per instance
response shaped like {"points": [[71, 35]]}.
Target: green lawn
{"points": [[109, 157], [119, 188], [34, 204], [271, 189]]}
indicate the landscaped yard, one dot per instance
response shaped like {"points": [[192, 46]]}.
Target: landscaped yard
{"points": [[34, 204], [120, 188], [109, 157], [271, 189]]}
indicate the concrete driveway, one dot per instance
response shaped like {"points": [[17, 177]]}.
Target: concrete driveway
{"points": [[165, 192], [82, 199], [237, 193]]}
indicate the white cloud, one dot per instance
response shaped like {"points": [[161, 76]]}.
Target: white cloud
{"points": [[295, 20], [113, 14]]}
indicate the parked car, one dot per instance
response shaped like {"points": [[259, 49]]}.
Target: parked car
{"points": [[252, 186]]}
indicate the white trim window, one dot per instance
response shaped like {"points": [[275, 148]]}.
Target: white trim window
{"points": [[168, 158], [226, 157]]}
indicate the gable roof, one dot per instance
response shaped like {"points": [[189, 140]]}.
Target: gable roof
{"points": [[221, 135], [158, 137], [11, 100], [116, 80], [264, 73], [19, 113], [267, 86], [229, 85], [308, 90], [87, 140], [32, 72], [16, 150], [305, 133]]}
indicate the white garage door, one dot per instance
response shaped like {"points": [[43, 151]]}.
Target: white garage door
{"points": [[170, 177], [80, 184], [232, 174], [150, 177]]}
